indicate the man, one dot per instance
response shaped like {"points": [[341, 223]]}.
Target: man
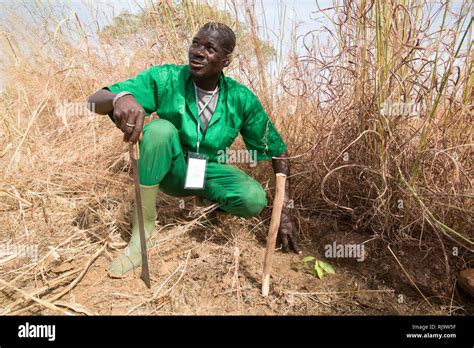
{"points": [[200, 114]]}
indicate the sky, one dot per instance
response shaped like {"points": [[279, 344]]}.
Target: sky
{"points": [[279, 16], [268, 12]]}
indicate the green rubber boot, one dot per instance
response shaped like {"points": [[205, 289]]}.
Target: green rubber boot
{"points": [[131, 257]]}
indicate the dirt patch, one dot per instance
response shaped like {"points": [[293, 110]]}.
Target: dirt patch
{"points": [[202, 268]]}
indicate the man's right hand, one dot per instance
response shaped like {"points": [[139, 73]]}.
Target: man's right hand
{"points": [[129, 117]]}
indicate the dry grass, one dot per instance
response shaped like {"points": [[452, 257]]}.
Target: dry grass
{"points": [[405, 183]]}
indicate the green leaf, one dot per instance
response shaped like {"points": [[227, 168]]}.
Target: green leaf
{"points": [[308, 259], [319, 270], [326, 267]]}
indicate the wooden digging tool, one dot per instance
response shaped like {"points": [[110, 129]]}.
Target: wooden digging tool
{"points": [[273, 231], [134, 156]]}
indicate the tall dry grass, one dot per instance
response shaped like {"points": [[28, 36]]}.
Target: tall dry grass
{"points": [[403, 180]]}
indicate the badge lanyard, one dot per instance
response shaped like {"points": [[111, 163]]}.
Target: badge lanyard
{"points": [[201, 111], [196, 170]]}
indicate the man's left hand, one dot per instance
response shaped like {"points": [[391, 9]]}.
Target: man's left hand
{"points": [[288, 233]]}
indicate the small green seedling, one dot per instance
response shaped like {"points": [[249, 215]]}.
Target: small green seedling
{"points": [[319, 267]]}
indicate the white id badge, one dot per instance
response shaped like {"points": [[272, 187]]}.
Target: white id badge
{"points": [[196, 171]]}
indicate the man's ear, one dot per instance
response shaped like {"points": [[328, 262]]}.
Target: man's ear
{"points": [[227, 60]]}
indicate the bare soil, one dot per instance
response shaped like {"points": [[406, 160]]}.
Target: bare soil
{"points": [[214, 268]]}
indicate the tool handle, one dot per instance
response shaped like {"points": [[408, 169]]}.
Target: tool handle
{"points": [[134, 150], [273, 231]]}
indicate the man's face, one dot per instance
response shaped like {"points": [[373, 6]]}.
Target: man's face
{"points": [[207, 57]]}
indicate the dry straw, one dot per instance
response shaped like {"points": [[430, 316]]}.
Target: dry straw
{"points": [[401, 178]]}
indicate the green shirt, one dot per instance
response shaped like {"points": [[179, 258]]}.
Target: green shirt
{"points": [[169, 90]]}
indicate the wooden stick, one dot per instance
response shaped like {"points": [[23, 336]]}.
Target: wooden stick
{"points": [[273, 231], [134, 157], [37, 300], [70, 286]]}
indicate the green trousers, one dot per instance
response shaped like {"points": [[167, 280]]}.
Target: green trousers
{"points": [[162, 162]]}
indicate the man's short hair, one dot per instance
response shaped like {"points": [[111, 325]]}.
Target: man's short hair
{"points": [[226, 33]]}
